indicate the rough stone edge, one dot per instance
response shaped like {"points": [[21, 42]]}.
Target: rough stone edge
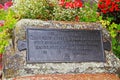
{"points": [[47, 23]]}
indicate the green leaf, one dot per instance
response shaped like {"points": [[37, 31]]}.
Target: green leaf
{"points": [[118, 27], [114, 41]]}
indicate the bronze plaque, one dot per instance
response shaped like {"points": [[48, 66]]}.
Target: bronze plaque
{"points": [[64, 45]]}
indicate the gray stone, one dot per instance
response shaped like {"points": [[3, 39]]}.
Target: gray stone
{"points": [[15, 60]]}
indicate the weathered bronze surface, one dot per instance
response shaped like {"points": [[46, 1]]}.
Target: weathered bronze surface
{"points": [[64, 45]]}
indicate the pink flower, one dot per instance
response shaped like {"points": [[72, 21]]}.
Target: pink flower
{"points": [[1, 6], [61, 2], [8, 4], [2, 23]]}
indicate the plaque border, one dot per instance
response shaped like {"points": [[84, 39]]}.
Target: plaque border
{"points": [[51, 29]]}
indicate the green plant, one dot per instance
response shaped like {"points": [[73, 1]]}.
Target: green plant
{"points": [[110, 12], [113, 29], [88, 12], [116, 47], [84, 12], [34, 9], [61, 10], [62, 14], [7, 23], [111, 9]]}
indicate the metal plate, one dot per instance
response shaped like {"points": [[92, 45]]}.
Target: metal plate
{"points": [[64, 45]]}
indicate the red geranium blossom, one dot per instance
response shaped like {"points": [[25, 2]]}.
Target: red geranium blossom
{"points": [[77, 4], [0, 56], [106, 6], [70, 4], [76, 18], [1, 23], [8, 4], [108, 2], [61, 2], [1, 6]]}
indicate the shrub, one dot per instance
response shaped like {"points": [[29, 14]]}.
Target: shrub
{"points": [[7, 22], [35, 9], [67, 10], [62, 10], [88, 12], [75, 11], [111, 9], [110, 12]]}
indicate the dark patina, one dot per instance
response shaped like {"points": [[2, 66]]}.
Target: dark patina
{"points": [[63, 45]]}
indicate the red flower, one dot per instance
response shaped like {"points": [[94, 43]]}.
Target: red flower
{"points": [[1, 23], [0, 66], [1, 6], [108, 2], [77, 0], [69, 5], [8, 4], [77, 4], [111, 9], [109, 5], [0, 56], [76, 18], [117, 8], [104, 11], [61, 2], [101, 6], [117, 0]]}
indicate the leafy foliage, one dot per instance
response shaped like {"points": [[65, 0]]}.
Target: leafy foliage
{"points": [[111, 9], [62, 10], [34, 9], [110, 12], [88, 12], [83, 13], [7, 21], [113, 29]]}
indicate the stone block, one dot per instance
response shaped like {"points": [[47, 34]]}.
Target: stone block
{"points": [[15, 61]]}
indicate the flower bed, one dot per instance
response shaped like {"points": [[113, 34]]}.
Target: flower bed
{"points": [[61, 10]]}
